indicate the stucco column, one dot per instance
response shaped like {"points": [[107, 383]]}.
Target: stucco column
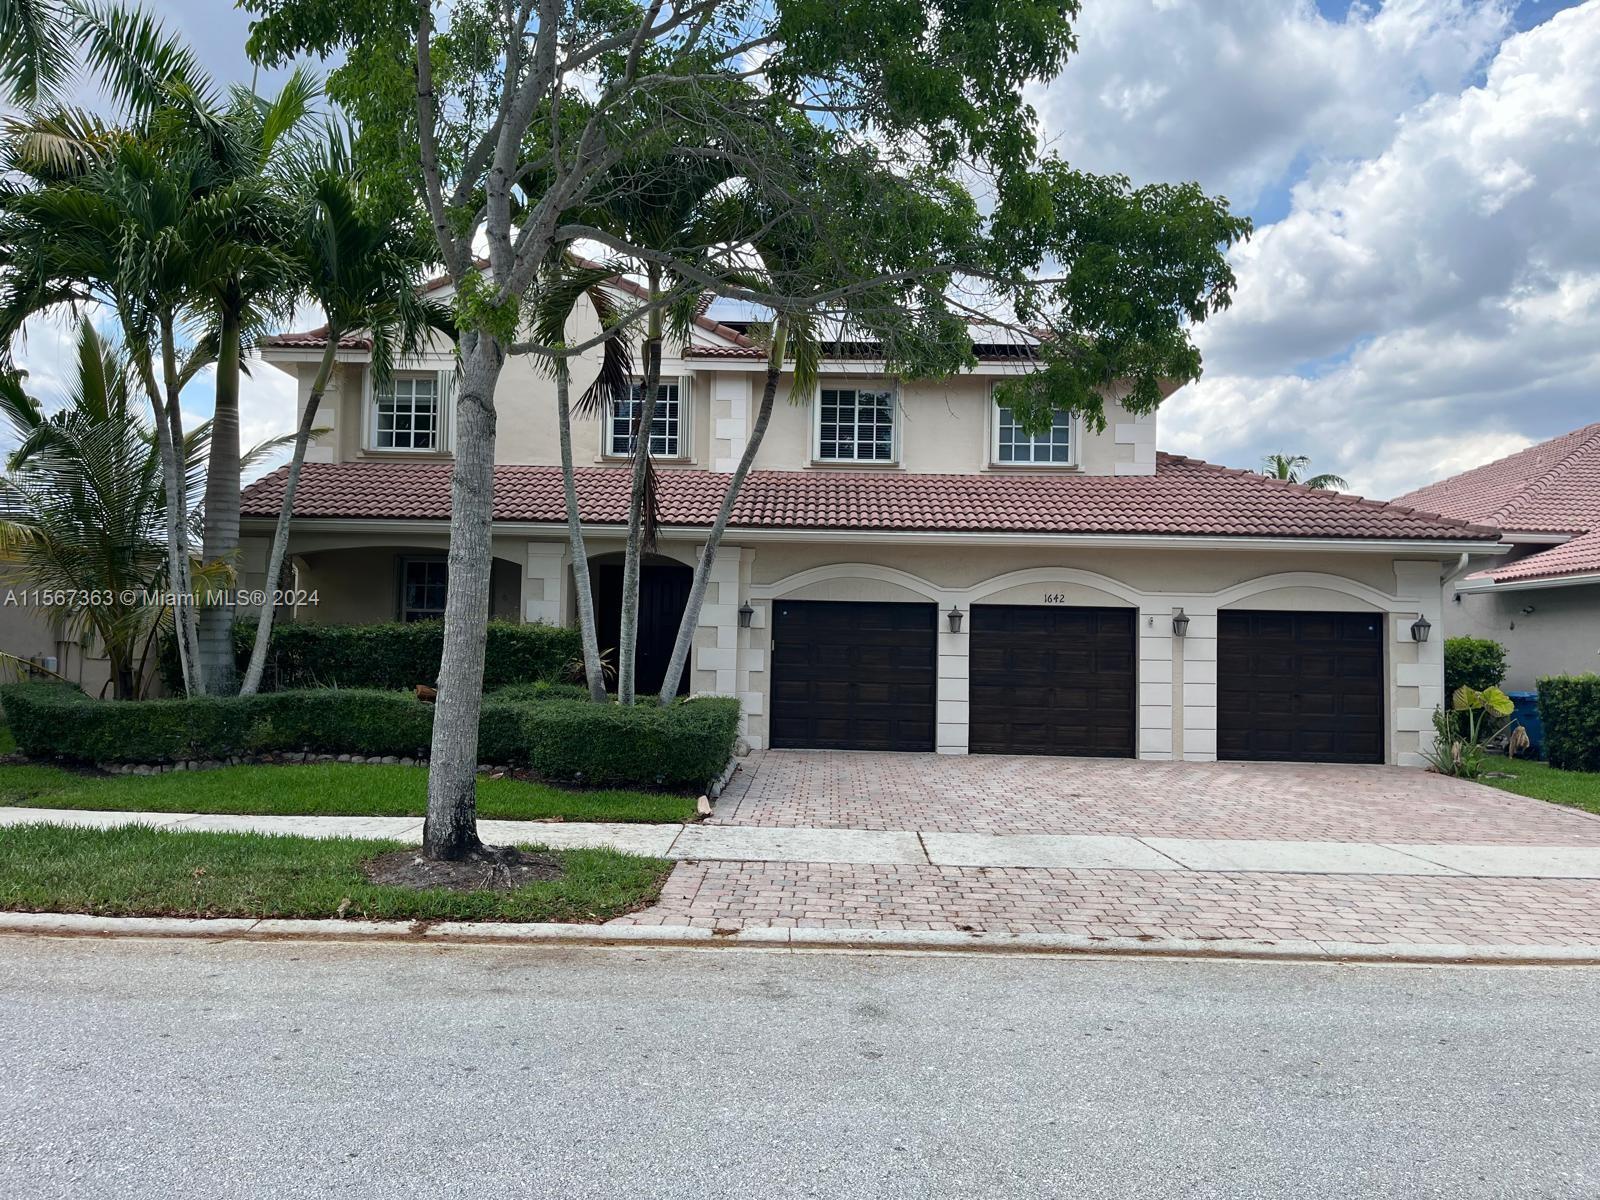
{"points": [[717, 637], [730, 419], [1156, 698], [1418, 667], [1199, 693], [952, 706], [544, 585]]}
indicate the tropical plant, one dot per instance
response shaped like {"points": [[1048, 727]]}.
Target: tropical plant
{"points": [[362, 257], [1292, 467], [35, 48], [85, 506], [1461, 732]]}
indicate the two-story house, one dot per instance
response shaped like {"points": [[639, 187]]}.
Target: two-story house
{"points": [[907, 569]]}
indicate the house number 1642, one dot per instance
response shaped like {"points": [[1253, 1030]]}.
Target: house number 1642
{"points": [[1055, 598]]}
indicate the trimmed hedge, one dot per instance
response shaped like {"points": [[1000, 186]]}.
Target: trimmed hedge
{"points": [[391, 657], [1569, 707], [685, 745], [607, 745], [1478, 663], [541, 690]]}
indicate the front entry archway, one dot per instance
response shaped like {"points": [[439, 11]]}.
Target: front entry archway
{"points": [[663, 595]]}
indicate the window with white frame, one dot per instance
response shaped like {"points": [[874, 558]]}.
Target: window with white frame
{"points": [[1013, 445], [666, 421], [855, 424], [406, 414], [422, 588]]}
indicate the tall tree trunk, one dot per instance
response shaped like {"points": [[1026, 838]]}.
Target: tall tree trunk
{"points": [[220, 540], [183, 580], [451, 828], [593, 673], [644, 413], [174, 515], [708, 556], [280, 535]]}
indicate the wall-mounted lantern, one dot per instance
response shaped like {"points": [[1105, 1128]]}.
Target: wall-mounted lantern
{"points": [[1180, 624], [954, 617], [746, 615], [1421, 628]]}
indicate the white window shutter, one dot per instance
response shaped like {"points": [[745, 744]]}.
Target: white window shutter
{"points": [[447, 407]]}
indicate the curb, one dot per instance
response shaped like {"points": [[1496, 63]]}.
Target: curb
{"points": [[872, 941]]}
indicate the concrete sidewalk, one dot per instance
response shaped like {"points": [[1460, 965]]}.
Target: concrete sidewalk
{"points": [[890, 848]]}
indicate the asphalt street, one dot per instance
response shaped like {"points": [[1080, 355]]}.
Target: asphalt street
{"points": [[184, 1069]]}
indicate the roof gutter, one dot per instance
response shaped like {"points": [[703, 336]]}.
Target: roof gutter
{"points": [[1480, 586]]}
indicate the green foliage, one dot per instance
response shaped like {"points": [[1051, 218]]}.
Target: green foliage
{"points": [[1461, 733], [683, 745], [541, 689], [52, 722], [680, 746], [1473, 662], [1569, 706], [395, 656]]}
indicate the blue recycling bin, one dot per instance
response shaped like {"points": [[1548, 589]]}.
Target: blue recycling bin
{"points": [[1526, 714]]}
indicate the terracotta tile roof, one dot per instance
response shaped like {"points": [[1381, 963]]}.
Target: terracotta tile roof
{"points": [[1553, 487], [316, 339], [1184, 497]]}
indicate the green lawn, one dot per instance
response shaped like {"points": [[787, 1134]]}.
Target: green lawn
{"points": [[328, 789], [1577, 789], [135, 872]]}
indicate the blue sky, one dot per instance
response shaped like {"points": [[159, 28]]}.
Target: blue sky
{"points": [[1423, 290]]}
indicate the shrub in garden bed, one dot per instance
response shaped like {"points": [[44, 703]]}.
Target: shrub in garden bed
{"points": [[1569, 707], [683, 746], [1477, 663], [393, 657], [604, 745]]}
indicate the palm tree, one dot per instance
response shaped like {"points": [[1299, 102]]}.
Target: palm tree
{"points": [[86, 505], [1291, 468], [362, 257], [35, 49], [658, 201], [568, 280]]}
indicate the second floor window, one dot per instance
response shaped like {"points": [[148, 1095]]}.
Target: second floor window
{"points": [[1012, 445], [855, 425], [406, 414], [666, 422]]}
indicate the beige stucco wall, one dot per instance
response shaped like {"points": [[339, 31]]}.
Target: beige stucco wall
{"points": [[28, 632], [1559, 636]]}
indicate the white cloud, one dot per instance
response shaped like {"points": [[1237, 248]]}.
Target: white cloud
{"points": [[1434, 301], [1240, 93]]}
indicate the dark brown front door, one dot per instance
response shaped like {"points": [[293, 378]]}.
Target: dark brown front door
{"points": [[853, 676], [1052, 681], [663, 595], [1300, 687]]}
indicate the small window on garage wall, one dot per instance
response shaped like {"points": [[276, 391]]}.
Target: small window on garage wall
{"points": [[423, 581]]}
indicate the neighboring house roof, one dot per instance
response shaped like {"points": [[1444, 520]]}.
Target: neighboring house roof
{"points": [[1184, 497], [1552, 488]]}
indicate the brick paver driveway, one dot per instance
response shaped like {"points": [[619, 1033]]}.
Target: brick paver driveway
{"points": [[1014, 794]]}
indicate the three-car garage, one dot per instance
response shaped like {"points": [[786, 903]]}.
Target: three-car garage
{"points": [[1064, 680]]}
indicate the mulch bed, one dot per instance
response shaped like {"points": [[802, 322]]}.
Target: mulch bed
{"points": [[502, 869]]}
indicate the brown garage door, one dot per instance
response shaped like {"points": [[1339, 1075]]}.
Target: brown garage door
{"points": [[853, 676], [1052, 681], [1300, 687]]}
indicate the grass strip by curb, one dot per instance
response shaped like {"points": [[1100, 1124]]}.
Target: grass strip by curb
{"points": [[322, 789], [133, 871]]}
